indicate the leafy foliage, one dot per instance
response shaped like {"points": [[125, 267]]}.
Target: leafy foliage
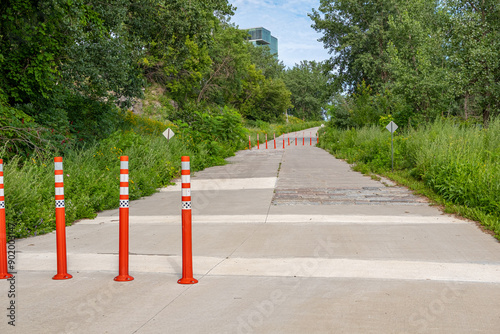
{"points": [[308, 84], [436, 57], [457, 161], [357, 34], [474, 35], [365, 108], [91, 174]]}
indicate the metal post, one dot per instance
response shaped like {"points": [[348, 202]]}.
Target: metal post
{"points": [[392, 152]]}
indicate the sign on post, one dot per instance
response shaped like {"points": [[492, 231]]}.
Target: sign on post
{"points": [[392, 127], [168, 133]]}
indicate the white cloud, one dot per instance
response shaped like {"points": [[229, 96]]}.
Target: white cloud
{"points": [[287, 21]]}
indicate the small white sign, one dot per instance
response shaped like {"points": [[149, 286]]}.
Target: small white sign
{"points": [[391, 127], [168, 133]]}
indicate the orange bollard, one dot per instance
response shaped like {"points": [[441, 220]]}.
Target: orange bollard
{"points": [[266, 141], [317, 138], [123, 275], [311, 139], [303, 138], [258, 147], [4, 273], [274, 134], [283, 141], [187, 247], [249, 143], [295, 139], [62, 272], [288, 135]]}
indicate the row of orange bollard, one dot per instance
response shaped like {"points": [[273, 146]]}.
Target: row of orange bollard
{"points": [[288, 138], [123, 257]]}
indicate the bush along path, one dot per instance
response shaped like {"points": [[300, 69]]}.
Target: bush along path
{"points": [[91, 173], [455, 165]]}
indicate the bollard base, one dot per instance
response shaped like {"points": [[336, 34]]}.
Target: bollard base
{"points": [[5, 276], [62, 276], [187, 281], [123, 278]]}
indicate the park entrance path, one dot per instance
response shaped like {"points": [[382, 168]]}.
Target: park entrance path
{"points": [[284, 241]]}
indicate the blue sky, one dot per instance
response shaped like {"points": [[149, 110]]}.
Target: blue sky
{"points": [[287, 21]]}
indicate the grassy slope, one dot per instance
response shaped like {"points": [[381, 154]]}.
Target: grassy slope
{"points": [[91, 175], [456, 166]]}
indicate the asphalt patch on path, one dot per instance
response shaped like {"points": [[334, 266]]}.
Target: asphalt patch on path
{"points": [[343, 196]]}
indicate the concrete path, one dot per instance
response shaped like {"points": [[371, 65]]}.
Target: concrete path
{"points": [[285, 241]]}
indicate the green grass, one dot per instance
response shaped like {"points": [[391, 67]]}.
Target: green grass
{"points": [[455, 165], [91, 174], [91, 180]]}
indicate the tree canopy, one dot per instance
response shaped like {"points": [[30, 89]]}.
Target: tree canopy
{"points": [[308, 83], [67, 66], [428, 57]]}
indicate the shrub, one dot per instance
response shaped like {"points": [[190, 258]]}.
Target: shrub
{"points": [[457, 161]]}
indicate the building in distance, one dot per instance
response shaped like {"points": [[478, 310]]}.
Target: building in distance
{"points": [[261, 36]]}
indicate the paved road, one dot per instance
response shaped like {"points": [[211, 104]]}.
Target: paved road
{"points": [[285, 241]]}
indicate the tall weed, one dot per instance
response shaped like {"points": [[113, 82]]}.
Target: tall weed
{"points": [[91, 172], [458, 162]]}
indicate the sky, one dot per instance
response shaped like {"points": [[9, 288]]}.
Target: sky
{"points": [[288, 22]]}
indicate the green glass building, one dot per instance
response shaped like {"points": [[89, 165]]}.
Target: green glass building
{"points": [[261, 36]]}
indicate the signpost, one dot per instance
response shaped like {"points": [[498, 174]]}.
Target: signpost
{"points": [[392, 127], [168, 133]]}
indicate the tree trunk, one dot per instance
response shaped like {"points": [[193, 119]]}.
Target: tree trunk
{"points": [[486, 116], [466, 105]]}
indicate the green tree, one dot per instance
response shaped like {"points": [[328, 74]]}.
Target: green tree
{"points": [[236, 80], [474, 49], [356, 34], [176, 36], [229, 53], [418, 65], [268, 63], [268, 102], [65, 61], [308, 84]]}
